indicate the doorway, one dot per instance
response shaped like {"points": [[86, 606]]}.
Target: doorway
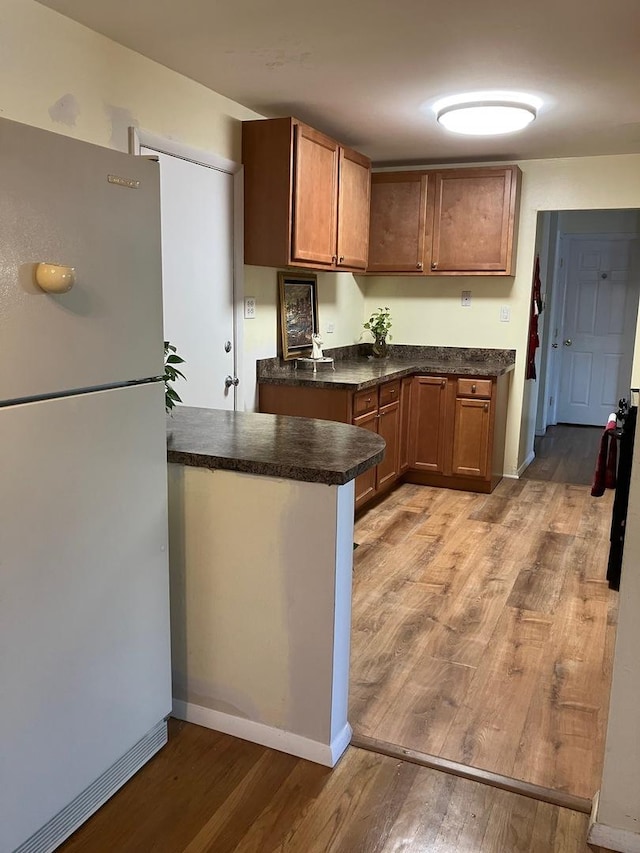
{"points": [[591, 285], [201, 274]]}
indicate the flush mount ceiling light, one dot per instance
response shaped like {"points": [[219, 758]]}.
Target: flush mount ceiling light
{"points": [[486, 113]]}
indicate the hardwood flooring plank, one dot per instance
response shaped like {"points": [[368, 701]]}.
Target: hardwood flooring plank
{"points": [[567, 715], [465, 631], [446, 603], [565, 511], [488, 727], [537, 587], [432, 690], [595, 522], [492, 510], [188, 800]]}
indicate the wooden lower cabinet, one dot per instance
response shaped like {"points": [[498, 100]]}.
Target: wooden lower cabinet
{"points": [[383, 416], [444, 431], [366, 483], [458, 429], [388, 428], [472, 422], [428, 424], [405, 424]]}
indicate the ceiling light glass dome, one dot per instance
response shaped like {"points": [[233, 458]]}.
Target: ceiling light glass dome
{"points": [[486, 113]]}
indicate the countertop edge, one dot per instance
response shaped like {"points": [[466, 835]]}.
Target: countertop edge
{"points": [[277, 446], [281, 471], [324, 380]]}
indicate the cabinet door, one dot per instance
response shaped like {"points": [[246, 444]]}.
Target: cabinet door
{"points": [[398, 221], [366, 483], [315, 194], [405, 410], [471, 437], [354, 192], [428, 423], [389, 429], [474, 219]]}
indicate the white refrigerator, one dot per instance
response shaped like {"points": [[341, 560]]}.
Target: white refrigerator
{"points": [[84, 609]]}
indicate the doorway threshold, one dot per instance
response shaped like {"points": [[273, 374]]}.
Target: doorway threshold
{"points": [[475, 774]]}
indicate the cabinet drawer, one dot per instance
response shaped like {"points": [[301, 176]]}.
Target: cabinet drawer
{"points": [[365, 401], [474, 388], [389, 392]]}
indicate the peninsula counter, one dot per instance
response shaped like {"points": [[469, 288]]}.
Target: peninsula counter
{"points": [[261, 539]]}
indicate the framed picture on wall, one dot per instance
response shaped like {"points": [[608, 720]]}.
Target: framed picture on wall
{"points": [[298, 312]]}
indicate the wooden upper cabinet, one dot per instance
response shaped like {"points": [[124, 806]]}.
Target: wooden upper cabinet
{"points": [[474, 222], [354, 198], [448, 222], [315, 193], [306, 198], [397, 228]]}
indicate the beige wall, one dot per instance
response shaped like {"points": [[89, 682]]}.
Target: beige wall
{"points": [[428, 311], [61, 76], [340, 302]]}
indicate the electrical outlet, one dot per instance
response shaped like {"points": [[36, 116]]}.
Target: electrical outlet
{"points": [[465, 299], [330, 328], [505, 314], [249, 308]]}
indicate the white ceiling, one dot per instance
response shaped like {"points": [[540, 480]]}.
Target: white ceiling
{"points": [[360, 69]]}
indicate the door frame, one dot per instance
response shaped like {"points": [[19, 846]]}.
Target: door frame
{"points": [[143, 138], [556, 308]]}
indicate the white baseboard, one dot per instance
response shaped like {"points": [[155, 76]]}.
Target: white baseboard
{"points": [[293, 744], [610, 837]]}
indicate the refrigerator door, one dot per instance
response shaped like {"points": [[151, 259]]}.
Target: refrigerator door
{"points": [[58, 204], [84, 603]]}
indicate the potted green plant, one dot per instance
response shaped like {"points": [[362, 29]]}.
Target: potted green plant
{"points": [[171, 374], [379, 324]]}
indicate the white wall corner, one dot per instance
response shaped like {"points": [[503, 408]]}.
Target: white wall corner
{"points": [[610, 837], [523, 467]]}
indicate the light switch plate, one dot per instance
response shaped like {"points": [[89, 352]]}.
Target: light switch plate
{"points": [[505, 314], [465, 299]]}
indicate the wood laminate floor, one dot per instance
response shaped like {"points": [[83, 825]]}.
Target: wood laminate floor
{"points": [[483, 627], [565, 454], [209, 793]]}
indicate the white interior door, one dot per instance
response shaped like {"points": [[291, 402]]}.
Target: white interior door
{"points": [[197, 270], [598, 332]]}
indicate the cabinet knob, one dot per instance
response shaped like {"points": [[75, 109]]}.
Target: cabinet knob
{"points": [[443, 383], [368, 400], [419, 265], [486, 407], [473, 389], [434, 265], [333, 259], [341, 259]]}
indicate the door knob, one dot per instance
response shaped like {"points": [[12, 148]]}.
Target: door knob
{"points": [[231, 380], [227, 346], [568, 342]]}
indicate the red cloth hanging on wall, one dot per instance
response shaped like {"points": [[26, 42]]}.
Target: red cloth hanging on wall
{"points": [[536, 309]]}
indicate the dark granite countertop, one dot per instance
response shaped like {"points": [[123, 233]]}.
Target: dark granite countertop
{"points": [[355, 371], [271, 445]]}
